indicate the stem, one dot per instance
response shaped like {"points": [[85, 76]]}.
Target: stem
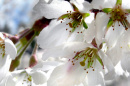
{"points": [[15, 63], [23, 50]]}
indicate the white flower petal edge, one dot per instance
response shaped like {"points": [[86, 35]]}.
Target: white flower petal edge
{"points": [[101, 24], [10, 48], [66, 71], [100, 4], [66, 75], [109, 66], [38, 77], [26, 77], [125, 4], [53, 10], [53, 35], [83, 6], [113, 35], [75, 74], [9, 81], [125, 61], [124, 42], [5, 68], [65, 50], [95, 78]]}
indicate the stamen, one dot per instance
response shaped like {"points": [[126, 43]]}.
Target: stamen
{"points": [[76, 19], [118, 14], [89, 56]]}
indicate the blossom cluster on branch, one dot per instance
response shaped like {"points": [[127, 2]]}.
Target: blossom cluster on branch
{"points": [[82, 43]]}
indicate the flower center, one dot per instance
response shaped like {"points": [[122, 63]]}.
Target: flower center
{"points": [[117, 14], [76, 19], [87, 58]]}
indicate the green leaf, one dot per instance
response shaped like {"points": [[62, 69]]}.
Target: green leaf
{"points": [[85, 15], [85, 25], [110, 22], [118, 2], [107, 10], [63, 16], [75, 8]]}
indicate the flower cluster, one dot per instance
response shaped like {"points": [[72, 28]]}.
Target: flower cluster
{"points": [[82, 43]]}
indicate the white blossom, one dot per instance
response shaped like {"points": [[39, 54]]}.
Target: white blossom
{"points": [[113, 21], [26, 77], [71, 27], [7, 53], [80, 67]]}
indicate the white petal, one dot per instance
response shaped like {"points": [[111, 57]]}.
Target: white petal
{"points": [[53, 35], [53, 10], [65, 50], [110, 74], [113, 35], [101, 25], [95, 78], [89, 19], [114, 54], [89, 34], [100, 4], [10, 81], [1, 35], [86, 7], [125, 62], [126, 4], [83, 6], [45, 66], [10, 48], [38, 77], [67, 75], [78, 1], [5, 68], [3, 60], [124, 41]]}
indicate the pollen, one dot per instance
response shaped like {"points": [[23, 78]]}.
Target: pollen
{"points": [[82, 63]]}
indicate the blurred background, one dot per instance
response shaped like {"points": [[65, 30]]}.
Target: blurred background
{"points": [[16, 14]]}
